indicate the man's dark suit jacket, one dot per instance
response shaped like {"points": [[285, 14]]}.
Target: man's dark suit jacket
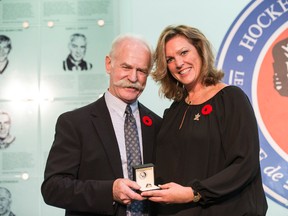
{"points": [[85, 160]]}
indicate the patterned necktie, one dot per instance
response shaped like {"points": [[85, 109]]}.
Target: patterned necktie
{"points": [[133, 156]]}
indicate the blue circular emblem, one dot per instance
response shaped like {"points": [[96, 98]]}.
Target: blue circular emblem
{"points": [[254, 56]]}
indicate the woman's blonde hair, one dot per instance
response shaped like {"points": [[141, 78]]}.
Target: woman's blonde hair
{"points": [[170, 87]]}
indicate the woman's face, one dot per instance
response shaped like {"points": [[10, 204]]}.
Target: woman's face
{"points": [[183, 60]]}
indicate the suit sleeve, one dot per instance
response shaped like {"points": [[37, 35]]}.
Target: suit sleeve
{"points": [[64, 185]]}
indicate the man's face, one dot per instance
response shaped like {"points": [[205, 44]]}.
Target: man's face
{"points": [[4, 51], [78, 48], [128, 70], [4, 125], [4, 202]]}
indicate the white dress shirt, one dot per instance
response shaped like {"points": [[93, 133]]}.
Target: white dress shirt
{"points": [[116, 109]]}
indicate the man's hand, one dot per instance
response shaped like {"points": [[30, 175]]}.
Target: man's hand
{"points": [[123, 191]]}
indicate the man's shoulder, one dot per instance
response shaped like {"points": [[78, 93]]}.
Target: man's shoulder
{"points": [[67, 64], [87, 109], [146, 111], [11, 214], [85, 65]]}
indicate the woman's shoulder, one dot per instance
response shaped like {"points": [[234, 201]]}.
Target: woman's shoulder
{"points": [[232, 96], [232, 91], [172, 107]]}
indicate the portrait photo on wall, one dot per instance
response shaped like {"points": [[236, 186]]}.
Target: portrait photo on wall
{"points": [[5, 48], [5, 124], [77, 49], [5, 202], [19, 53], [78, 58]]}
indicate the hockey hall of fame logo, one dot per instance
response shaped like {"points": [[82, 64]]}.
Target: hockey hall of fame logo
{"points": [[254, 56]]}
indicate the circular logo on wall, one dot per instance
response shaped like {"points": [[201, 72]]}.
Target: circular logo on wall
{"points": [[254, 56]]}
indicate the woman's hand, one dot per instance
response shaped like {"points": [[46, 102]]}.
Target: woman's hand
{"points": [[170, 193]]}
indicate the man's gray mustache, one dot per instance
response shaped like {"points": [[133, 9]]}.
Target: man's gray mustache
{"points": [[126, 84]]}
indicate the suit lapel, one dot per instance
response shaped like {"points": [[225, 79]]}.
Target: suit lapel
{"points": [[103, 124], [147, 135], [104, 127]]}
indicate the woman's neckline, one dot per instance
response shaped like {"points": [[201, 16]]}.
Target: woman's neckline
{"points": [[211, 95]]}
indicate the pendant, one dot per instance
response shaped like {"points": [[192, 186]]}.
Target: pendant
{"points": [[197, 116]]}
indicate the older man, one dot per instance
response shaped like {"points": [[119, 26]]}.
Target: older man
{"points": [[88, 170]]}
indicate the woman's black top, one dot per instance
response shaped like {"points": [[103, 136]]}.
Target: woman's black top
{"points": [[216, 152]]}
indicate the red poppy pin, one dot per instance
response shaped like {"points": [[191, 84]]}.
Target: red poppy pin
{"points": [[207, 109], [147, 120]]}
